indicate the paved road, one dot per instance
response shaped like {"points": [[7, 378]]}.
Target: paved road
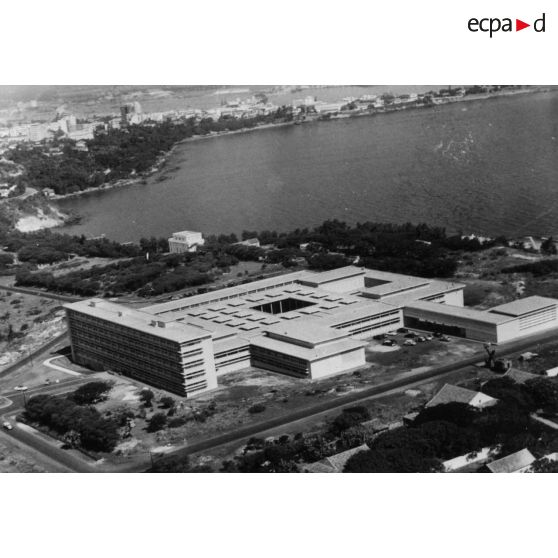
{"points": [[38, 292], [50, 450], [36, 441], [35, 355]]}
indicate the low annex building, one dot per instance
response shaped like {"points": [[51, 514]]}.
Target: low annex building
{"points": [[304, 324]]}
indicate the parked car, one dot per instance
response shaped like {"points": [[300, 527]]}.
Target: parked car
{"points": [[389, 342], [410, 335], [380, 337], [428, 337], [409, 342], [438, 334], [445, 339], [402, 330], [7, 425], [421, 339], [21, 388], [391, 333]]}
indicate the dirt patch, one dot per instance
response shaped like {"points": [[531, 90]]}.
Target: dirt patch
{"points": [[26, 323]]}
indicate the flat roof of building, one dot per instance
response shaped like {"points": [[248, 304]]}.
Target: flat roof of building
{"points": [[319, 278], [482, 316], [306, 331], [368, 309], [432, 289], [307, 353], [223, 294], [524, 306], [139, 320]]}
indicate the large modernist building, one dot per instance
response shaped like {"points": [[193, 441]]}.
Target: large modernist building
{"points": [[305, 324]]}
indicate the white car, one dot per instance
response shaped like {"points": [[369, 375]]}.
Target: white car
{"points": [[7, 425], [21, 388], [409, 342]]}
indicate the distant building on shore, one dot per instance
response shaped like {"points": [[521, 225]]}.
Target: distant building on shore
{"points": [[185, 241]]}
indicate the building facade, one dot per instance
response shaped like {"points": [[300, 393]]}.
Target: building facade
{"points": [[171, 356], [304, 324], [185, 241]]}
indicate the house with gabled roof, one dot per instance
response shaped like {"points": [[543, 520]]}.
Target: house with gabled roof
{"points": [[456, 394], [518, 462], [334, 463]]}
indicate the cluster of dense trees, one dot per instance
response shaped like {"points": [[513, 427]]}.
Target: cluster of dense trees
{"points": [[413, 249], [91, 393], [446, 431], [48, 247], [81, 425], [178, 465], [157, 275], [437, 434], [118, 153]]}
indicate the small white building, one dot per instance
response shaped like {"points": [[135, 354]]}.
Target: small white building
{"points": [[185, 241]]}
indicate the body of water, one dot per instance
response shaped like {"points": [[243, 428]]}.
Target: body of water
{"points": [[486, 166]]}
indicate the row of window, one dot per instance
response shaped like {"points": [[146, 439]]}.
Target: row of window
{"points": [[225, 354], [222, 364], [375, 326], [149, 375], [90, 323], [537, 318], [134, 351], [366, 319]]}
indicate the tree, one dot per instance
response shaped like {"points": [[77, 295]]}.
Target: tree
{"points": [[395, 461], [122, 415], [257, 408], [544, 393], [460, 414], [508, 391], [171, 465], [72, 439], [92, 392], [545, 465], [157, 422], [351, 416], [548, 246], [167, 402], [146, 396]]}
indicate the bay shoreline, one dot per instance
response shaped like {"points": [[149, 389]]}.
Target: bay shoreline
{"points": [[164, 158]]}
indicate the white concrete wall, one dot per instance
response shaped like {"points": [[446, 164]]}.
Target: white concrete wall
{"points": [[510, 330], [482, 400], [337, 364], [209, 366], [454, 298]]}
